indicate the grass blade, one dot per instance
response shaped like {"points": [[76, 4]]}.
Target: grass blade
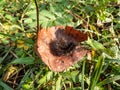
{"points": [[96, 74], [5, 86], [83, 71], [2, 59], [24, 79], [109, 80]]}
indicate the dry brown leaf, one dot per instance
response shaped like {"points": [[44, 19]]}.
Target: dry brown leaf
{"points": [[57, 49]]}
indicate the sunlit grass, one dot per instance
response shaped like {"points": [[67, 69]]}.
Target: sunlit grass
{"points": [[20, 67]]}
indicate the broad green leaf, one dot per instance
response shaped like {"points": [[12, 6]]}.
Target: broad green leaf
{"points": [[89, 9], [25, 60], [95, 44], [58, 83], [45, 78], [47, 14], [75, 76], [31, 14], [5, 41], [28, 20], [9, 17]]}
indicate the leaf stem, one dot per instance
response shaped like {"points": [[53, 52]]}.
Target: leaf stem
{"points": [[37, 16]]}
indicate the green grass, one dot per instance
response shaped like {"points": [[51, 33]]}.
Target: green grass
{"points": [[22, 69]]}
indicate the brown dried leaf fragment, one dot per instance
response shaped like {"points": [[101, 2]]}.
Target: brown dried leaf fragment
{"points": [[57, 49]]}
